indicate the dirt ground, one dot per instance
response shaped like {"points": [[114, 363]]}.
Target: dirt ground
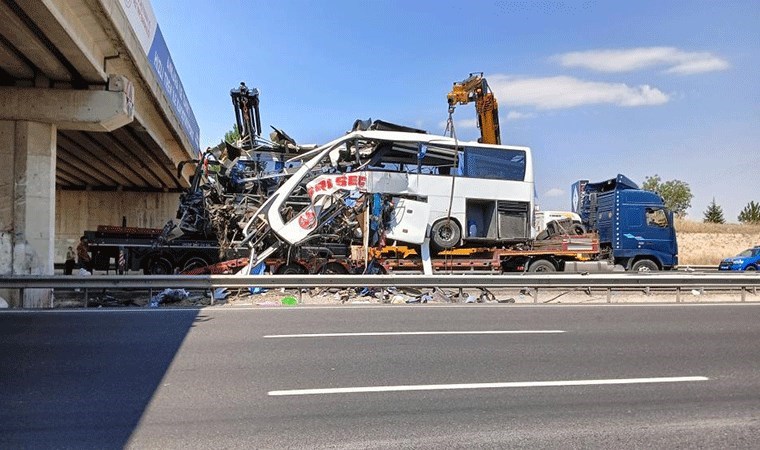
{"points": [[709, 243]]}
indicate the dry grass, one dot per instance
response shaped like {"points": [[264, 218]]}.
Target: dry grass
{"points": [[707, 243]]}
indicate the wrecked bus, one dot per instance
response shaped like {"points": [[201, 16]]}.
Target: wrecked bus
{"points": [[430, 189]]}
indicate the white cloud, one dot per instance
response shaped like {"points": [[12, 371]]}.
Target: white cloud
{"points": [[461, 124], [626, 60], [517, 115], [554, 192], [568, 92]]}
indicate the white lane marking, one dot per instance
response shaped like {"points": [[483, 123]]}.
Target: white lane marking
{"points": [[409, 333], [518, 384]]}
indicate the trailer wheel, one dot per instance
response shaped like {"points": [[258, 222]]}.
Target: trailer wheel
{"points": [[333, 268], [291, 269], [194, 262], [159, 266], [445, 234], [645, 265], [541, 265]]}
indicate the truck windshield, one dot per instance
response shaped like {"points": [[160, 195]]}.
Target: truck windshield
{"points": [[494, 163], [657, 217]]}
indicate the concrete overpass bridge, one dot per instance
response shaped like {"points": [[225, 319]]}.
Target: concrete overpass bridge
{"points": [[93, 123]]}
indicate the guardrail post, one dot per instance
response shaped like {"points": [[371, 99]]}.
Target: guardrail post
{"points": [[678, 295], [86, 297], [211, 294], [609, 295], [535, 295], [744, 294]]}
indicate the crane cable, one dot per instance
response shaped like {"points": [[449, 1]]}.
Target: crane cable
{"points": [[450, 129]]}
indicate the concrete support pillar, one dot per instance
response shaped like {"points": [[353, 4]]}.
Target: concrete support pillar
{"points": [[27, 205]]}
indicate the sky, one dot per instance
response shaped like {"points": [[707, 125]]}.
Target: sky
{"points": [[594, 88]]}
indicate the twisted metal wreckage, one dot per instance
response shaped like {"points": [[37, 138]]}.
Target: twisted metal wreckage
{"points": [[329, 208]]}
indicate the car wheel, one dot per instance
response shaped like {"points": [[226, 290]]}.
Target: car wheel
{"points": [[750, 269], [645, 265]]}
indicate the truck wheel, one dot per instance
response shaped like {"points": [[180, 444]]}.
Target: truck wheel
{"points": [[645, 265], [541, 265], [579, 228], [445, 234], [159, 266]]}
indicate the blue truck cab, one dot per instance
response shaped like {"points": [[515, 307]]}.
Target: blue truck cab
{"points": [[635, 229]]}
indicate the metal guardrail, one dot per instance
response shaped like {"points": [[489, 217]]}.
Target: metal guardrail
{"points": [[608, 281], [675, 281]]}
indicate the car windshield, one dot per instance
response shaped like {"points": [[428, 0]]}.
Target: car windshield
{"points": [[746, 253]]}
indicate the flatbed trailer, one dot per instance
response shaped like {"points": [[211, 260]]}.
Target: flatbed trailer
{"points": [[141, 251], [558, 253]]}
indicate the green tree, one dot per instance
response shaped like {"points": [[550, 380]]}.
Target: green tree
{"points": [[750, 213], [714, 213], [675, 193], [233, 135]]}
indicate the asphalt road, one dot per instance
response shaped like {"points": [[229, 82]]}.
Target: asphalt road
{"points": [[612, 376]]}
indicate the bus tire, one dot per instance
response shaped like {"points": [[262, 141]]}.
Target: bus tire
{"points": [[445, 234]]}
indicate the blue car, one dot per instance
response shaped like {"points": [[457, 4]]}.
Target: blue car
{"points": [[747, 260]]}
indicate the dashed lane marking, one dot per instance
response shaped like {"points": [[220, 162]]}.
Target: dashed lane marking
{"points": [[410, 333], [518, 384]]}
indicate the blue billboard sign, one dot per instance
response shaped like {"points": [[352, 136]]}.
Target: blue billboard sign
{"points": [[143, 22]]}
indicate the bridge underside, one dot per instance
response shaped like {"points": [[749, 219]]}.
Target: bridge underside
{"points": [[81, 111]]}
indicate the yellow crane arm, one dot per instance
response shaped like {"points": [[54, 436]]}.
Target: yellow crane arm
{"points": [[475, 88]]}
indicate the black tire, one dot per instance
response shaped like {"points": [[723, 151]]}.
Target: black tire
{"points": [[578, 228], [194, 262], [750, 269], [541, 265], [159, 265], [291, 269], [333, 268], [445, 234], [645, 265]]}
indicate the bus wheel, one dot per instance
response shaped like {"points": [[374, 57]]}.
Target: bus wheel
{"points": [[445, 234], [541, 265], [645, 265]]}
